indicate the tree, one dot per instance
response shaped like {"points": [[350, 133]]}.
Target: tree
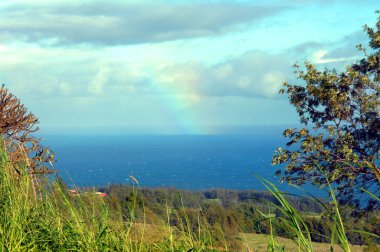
{"points": [[343, 143], [16, 129]]}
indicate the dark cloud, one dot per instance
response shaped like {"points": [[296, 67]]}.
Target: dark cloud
{"points": [[347, 47], [344, 47], [116, 24]]}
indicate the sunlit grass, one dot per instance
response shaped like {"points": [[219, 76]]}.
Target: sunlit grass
{"points": [[289, 219]]}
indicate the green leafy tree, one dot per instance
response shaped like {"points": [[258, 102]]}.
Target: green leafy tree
{"points": [[341, 135]]}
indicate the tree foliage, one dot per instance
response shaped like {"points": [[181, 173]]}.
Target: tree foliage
{"points": [[17, 126], [342, 145]]}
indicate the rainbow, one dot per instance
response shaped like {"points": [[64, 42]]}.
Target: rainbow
{"points": [[176, 108]]}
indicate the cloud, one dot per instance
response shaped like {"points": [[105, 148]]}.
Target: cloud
{"points": [[120, 24], [76, 73], [65, 88], [79, 72], [98, 83], [339, 52], [37, 72], [253, 74]]}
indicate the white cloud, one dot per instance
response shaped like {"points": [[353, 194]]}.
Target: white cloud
{"points": [[321, 57], [272, 83], [65, 88], [253, 74], [99, 81], [3, 48], [81, 73]]}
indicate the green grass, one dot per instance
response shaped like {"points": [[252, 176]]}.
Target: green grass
{"points": [[259, 243], [290, 219], [292, 222]]}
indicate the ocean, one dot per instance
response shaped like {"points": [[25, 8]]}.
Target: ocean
{"points": [[179, 161]]}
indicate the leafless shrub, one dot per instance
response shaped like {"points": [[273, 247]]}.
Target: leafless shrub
{"points": [[17, 126]]}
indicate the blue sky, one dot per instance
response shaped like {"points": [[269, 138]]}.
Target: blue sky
{"points": [[173, 67]]}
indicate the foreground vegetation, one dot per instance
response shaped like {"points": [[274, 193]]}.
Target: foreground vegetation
{"points": [[46, 217], [234, 212], [56, 221]]}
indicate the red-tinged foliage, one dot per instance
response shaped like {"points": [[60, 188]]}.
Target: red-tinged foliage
{"points": [[17, 126]]}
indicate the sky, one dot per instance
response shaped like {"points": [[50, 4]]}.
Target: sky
{"points": [[170, 67]]}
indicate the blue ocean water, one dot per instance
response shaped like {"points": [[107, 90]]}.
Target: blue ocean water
{"points": [[184, 162]]}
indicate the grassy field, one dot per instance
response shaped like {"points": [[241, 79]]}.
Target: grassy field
{"points": [[259, 243]]}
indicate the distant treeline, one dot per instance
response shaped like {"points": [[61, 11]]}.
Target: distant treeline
{"points": [[226, 211], [223, 197]]}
